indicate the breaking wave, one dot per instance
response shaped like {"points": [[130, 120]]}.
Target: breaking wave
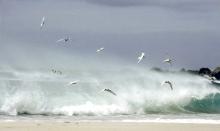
{"points": [[139, 91]]}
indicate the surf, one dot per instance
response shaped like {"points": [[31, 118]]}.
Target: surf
{"points": [[139, 92]]}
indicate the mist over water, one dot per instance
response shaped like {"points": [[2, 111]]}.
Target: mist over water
{"points": [[138, 89]]}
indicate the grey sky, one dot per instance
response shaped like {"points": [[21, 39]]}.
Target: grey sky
{"points": [[188, 30]]}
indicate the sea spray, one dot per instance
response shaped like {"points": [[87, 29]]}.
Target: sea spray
{"points": [[139, 91]]}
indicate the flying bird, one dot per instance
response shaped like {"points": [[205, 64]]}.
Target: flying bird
{"points": [[168, 60], [66, 39], [109, 91], [74, 82], [141, 57], [42, 22], [100, 49], [56, 71], [169, 83]]}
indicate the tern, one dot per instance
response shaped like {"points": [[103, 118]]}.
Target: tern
{"points": [[66, 39], [100, 49], [56, 71], [42, 22], [168, 60], [141, 57], [74, 82], [169, 83], [110, 91]]}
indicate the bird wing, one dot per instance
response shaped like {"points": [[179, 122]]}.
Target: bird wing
{"points": [[60, 40], [74, 82], [100, 49], [171, 86], [41, 25], [166, 60], [169, 83], [110, 91], [140, 59], [42, 22]]}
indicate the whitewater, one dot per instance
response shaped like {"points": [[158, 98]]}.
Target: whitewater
{"points": [[139, 93]]}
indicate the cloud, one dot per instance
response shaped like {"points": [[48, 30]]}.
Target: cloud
{"points": [[175, 4], [123, 27]]}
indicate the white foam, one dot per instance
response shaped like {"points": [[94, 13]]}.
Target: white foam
{"points": [[138, 89]]}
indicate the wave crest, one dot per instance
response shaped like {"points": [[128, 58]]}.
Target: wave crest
{"points": [[139, 92]]}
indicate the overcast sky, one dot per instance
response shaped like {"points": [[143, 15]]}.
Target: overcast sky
{"points": [[186, 30]]}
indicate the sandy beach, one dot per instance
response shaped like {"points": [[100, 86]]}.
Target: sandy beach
{"points": [[104, 126]]}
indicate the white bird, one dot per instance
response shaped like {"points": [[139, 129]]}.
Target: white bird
{"points": [[42, 22], [169, 83], [74, 82], [100, 49], [56, 71], [168, 60], [141, 57], [110, 91], [66, 39]]}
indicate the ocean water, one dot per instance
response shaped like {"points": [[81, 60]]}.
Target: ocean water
{"points": [[42, 94]]}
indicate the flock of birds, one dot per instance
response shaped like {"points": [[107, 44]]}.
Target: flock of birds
{"points": [[140, 58]]}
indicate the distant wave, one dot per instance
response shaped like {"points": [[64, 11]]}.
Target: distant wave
{"points": [[139, 92]]}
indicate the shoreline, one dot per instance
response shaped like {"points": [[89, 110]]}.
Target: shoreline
{"points": [[105, 125], [206, 119]]}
